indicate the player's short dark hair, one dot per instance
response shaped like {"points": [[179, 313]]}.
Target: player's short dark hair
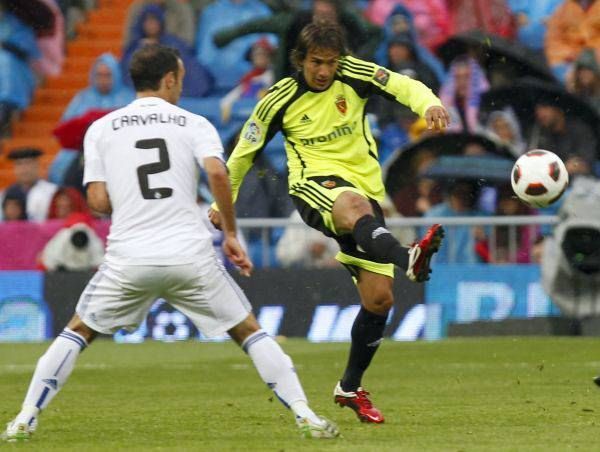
{"points": [[150, 64], [320, 34]]}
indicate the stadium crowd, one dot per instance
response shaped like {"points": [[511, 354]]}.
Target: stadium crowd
{"points": [[514, 75]]}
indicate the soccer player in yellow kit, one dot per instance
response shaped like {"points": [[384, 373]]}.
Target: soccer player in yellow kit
{"points": [[335, 178]]}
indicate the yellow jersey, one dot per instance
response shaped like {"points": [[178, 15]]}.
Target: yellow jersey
{"points": [[327, 132]]}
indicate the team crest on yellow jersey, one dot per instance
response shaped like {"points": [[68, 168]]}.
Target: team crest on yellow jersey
{"points": [[382, 76], [341, 105], [328, 184]]}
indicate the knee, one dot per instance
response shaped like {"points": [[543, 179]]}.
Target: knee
{"points": [[77, 326], [84, 331], [381, 302], [244, 329], [348, 209]]}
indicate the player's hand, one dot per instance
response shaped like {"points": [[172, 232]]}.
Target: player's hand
{"points": [[236, 254], [215, 218], [437, 118]]}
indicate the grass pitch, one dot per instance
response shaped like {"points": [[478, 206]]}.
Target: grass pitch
{"points": [[456, 395]]}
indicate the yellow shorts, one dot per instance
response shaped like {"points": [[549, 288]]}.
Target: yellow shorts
{"points": [[314, 198]]}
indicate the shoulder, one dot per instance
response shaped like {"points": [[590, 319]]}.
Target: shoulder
{"points": [[102, 125], [356, 68], [192, 119], [277, 96], [99, 123], [282, 87]]}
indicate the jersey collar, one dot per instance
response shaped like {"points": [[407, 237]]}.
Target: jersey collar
{"points": [[149, 101]]}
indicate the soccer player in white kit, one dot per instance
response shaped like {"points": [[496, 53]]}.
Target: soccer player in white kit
{"points": [[141, 165]]}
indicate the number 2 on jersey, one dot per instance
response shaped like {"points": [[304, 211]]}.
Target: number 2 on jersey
{"points": [[144, 171]]}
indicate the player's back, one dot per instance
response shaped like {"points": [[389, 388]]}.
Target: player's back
{"points": [[148, 154]]}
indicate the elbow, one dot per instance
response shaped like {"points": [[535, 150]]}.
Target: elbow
{"points": [[218, 173], [100, 206], [97, 199]]}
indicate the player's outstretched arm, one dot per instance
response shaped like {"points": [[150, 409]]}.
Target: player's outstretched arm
{"points": [[218, 180]]}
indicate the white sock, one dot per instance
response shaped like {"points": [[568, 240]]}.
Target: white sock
{"points": [[51, 373], [277, 371]]}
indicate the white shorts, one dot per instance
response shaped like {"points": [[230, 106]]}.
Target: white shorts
{"points": [[120, 296]]}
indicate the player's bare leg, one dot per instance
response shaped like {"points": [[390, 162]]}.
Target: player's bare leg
{"points": [[277, 371], [52, 371], [353, 213]]}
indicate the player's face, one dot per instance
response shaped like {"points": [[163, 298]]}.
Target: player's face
{"points": [[319, 68]]}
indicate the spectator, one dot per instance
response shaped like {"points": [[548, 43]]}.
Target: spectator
{"points": [[522, 237], [179, 20], [105, 91], [503, 126], [74, 13], [461, 199], [304, 247], [76, 247], [362, 36], [150, 29], [531, 17], [395, 121], [18, 48], [574, 26], [404, 234], [67, 201], [52, 45], [584, 80], [14, 205], [255, 82], [430, 18], [490, 16], [39, 191], [461, 93], [418, 194], [228, 64], [568, 137], [403, 57], [400, 26]]}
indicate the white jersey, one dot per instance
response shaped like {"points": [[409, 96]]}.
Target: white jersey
{"points": [[148, 154]]}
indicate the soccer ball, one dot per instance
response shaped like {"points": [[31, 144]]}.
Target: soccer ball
{"points": [[539, 178]]}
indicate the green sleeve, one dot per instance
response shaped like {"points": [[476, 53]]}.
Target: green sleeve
{"points": [[263, 124], [375, 79]]}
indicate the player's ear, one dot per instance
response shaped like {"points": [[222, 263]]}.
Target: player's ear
{"points": [[170, 80]]}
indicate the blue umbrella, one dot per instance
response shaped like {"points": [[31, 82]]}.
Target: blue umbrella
{"points": [[486, 169], [401, 169]]}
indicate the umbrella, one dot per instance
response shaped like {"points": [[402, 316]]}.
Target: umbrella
{"points": [[34, 13], [525, 93], [404, 166], [71, 133], [493, 50], [488, 168]]}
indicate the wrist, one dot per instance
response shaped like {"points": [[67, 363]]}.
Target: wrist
{"points": [[230, 234]]}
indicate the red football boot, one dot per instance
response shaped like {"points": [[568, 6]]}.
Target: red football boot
{"points": [[419, 254], [359, 402]]}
